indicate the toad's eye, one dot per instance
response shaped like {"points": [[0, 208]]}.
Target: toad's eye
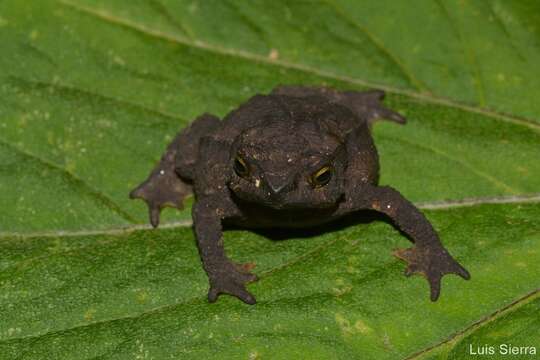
{"points": [[240, 167], [322, 176]]}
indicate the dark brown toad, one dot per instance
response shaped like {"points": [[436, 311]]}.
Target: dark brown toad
{"points": [[297, 157]]}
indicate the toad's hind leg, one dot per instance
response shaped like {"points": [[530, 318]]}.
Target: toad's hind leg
{"points": [[169, 183], [365, 104]]}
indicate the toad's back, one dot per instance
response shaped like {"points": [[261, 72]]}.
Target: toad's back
{"points": [[314, 114]]}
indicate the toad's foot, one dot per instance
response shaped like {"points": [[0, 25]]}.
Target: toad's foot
{"points": [[163, 188], [369, 105], [433, 263], [229, 278], [366, 104]]}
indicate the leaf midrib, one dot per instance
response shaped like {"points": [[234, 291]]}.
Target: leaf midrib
{"points": [[246, 55]]}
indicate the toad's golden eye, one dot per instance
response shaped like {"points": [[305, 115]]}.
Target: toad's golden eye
{"points": [[322, 176], [240, 167]]}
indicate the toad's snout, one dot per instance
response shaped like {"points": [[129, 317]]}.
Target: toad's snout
{"points": [[278, 184]]}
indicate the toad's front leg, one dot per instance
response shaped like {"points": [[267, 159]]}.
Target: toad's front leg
{"points": [[225, 276], [428, 257]]}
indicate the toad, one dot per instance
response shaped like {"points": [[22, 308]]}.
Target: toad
{"points": [[297, 157]]}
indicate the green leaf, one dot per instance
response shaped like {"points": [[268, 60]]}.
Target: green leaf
{"points": [[92, 91]]}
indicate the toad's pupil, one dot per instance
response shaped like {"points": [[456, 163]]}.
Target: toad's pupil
{"points": [[240, 167], [324, 177]]}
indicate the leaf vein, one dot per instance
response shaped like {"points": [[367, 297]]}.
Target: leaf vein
{"points": [[96, 194], [471, 168], [480, 323], [71, 89], [471, 55], [242, 54], [409, 75], [427, 205], [162, 10]]}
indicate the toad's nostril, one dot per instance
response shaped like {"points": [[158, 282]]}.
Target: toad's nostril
{"points": [[276, 184]]}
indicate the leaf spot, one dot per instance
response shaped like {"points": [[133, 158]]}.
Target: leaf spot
{"points": [[344, 324], [141, 352], [359, 327], [89, 314], [362, 327], [273, 55], [12, 331], [34, 34], [142, 296]]}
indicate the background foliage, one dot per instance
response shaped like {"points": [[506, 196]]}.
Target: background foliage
{"points": [[92, 91]]}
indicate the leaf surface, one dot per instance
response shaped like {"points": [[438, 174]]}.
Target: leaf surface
{"points": [[92, 91]]}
